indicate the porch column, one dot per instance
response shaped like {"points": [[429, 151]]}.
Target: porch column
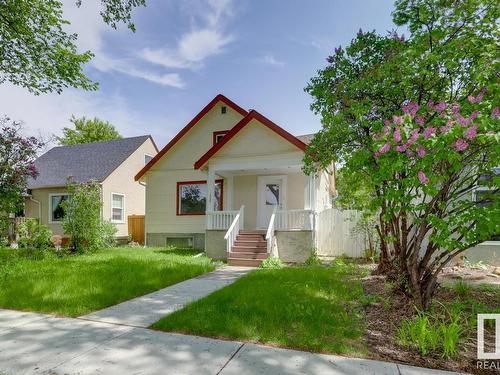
{"points": [[309, 192], [229, 195], [210, 196]]}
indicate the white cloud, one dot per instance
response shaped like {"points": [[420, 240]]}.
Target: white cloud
{"points": [[271, 60], [199, 43]]}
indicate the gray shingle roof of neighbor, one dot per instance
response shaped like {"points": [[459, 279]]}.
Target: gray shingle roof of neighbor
{"points": [[84, 162], [306, 138]]}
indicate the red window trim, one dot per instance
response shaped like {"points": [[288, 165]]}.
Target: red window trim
{"points": [[215, 134], [177, 203]]}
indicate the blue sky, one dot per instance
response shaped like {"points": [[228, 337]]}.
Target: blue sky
{"points": [[259, 53]]}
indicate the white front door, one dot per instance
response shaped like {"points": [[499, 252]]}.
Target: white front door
{"points": [[271, 193]]}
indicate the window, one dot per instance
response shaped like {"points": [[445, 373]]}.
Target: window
{"points": [[192, 197], [56, 210], [147, 158], [272, 193], [117, 207], [218, 135], [223, 110]]}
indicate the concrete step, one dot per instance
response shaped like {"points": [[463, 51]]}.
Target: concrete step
{"points": [[253, 231], [250, 243], [248, 249], [247, 255], [244, 262]]}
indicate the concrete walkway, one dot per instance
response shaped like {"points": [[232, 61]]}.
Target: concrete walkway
{"points": [[42, 344], [144, 311]]}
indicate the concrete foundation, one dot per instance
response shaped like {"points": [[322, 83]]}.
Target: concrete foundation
{"points": [[294, 246], [160, 239], [215, 244]]}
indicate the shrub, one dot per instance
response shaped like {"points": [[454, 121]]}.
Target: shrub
{"points": [[33, 235], [313, 259], [108, 234], [272, 262], [82, 216]]}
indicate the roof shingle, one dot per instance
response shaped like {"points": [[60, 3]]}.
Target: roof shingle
{"points": [[83, 162]]}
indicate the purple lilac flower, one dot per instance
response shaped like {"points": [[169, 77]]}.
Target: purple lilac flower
{"points": [[413, 137], [360, 32], [445, 128], [461, 145], [338, 50], [474, 115], [428, 132], [401, 148], [471, 133], [430, 104], [397, 135], [386, 147], [411, 109], [420, 120], [422, 177], [398, 120], [440, 107], [330, 59], [409, 153], [495, 113], [421, 151], [462, 120], [455, 107]]}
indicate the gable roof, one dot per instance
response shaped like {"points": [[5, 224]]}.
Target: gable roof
{"points": [[193, 122], [83, 162], [240, 125]]}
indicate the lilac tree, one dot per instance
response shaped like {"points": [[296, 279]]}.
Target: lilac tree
{"points": [[17, 157], [430, 161]]}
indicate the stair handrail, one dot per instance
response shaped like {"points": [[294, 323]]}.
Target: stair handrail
{"points": [[270, 230], [234, 229]]}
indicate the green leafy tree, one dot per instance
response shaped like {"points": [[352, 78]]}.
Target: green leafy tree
{"points": [[82, 217], [450, 55], [88, 131], [38, 54]]}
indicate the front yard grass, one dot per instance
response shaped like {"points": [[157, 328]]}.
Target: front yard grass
{"points": [[76, 285], [307, 308]]}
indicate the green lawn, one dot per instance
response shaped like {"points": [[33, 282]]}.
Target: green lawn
{"points": [[76, 285], [308, 308]]}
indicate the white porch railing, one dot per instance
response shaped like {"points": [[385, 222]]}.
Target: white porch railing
{"points": [[234, 228], [294, 219], [270, 231], [220, 219]]}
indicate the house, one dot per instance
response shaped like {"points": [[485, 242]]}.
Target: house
{"points": [[112, 163], [231, 182]]}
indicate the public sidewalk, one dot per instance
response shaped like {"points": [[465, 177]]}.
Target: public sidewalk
{"points": [[33, 343]]}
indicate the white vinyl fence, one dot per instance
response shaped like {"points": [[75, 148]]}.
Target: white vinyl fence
{"points": [[336, 234]]}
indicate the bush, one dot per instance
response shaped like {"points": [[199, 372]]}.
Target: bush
{"points": [[82, 216], [272, 263], [313, 259], [33, 235], [107, 234]]}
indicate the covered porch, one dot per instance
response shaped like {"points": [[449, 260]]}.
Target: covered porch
{"points": [[268, 209]]}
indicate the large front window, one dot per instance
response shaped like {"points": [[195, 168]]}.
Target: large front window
{"points": [[56, 209], [192, 197]]}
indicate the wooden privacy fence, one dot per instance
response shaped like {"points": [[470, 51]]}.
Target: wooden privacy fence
{"points": [[336, 234], [136, 228]]}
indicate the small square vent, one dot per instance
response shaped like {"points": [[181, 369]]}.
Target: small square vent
{"points": [[223, 109]]}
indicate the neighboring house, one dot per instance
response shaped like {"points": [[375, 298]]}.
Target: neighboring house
{"points": [[251, 171], [112, 163]]}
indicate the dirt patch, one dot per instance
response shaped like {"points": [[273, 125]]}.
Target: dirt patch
{"points": [[384, 316], [480, 274]]}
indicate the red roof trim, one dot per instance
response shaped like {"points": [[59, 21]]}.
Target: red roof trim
{"points": [[240, 125], [193, 122]]}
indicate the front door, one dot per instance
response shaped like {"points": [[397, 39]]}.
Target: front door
{"points": [[271, 193]]}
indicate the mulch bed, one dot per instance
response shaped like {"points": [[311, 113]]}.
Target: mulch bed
{"points": [[383, 318]]}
